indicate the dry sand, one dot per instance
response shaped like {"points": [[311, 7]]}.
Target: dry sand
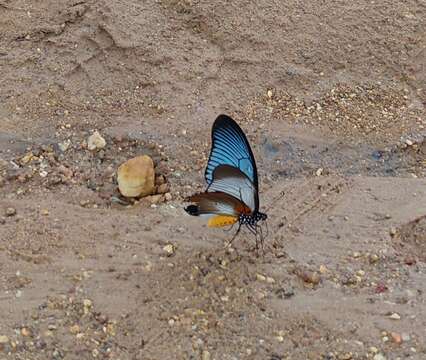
{"points": [[332, 96]]}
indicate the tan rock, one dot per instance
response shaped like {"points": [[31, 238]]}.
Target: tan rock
{"points": [[75, 329], [4, 339], [25, 332], [170, 249], [95, 141], [136, 177]]}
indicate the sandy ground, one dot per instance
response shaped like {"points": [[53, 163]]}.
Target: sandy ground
{"points": [[332, 95]]}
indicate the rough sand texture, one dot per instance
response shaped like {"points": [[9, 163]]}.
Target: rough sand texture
{"points": [[332, 96]]}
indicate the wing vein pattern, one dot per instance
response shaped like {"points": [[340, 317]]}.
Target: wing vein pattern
{"points": [[230, 147]]}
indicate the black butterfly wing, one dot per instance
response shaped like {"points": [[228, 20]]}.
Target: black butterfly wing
{"points": [[216, 203], [221, 209]]}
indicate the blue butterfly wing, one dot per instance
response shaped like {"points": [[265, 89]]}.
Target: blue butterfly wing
{"points": [[230, 147]]}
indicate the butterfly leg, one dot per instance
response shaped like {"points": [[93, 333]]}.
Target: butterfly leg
{"points": [[261, 239], [258, 233], [235, 235], [267, 229], [253, 230]]}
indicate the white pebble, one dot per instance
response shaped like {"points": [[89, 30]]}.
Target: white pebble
{"points": [[405, 337], [379, 356], [395, 316]]}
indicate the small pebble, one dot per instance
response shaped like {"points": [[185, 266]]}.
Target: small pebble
{"points": [[260, 277], [87, 303], [373, 350], [4, 339], [270, 280], [25, 332], [311, 277], [285, 293], [379, 356], [396, 338], [64, 146], [10, 211], [27, 158], [75, 329], [168, 196], [95, 141], [392, 231], [405, 337], [395, 316], [170, 249]]}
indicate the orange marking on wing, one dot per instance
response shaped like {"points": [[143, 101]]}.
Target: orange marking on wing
{"points": [[222, 220], [244, 210]]}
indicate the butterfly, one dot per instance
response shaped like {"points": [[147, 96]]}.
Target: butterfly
{"points": [[232, 194]]}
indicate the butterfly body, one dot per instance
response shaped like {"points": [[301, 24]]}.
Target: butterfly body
{"points": [[252, 219], [231, 175]]}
